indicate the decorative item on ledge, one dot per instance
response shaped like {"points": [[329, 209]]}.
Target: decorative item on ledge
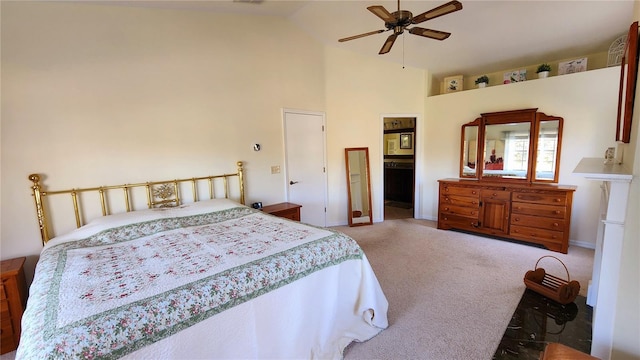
{"points": [[514, 76], [482, 81], [543, 70], [572, 66], [453, 84]]}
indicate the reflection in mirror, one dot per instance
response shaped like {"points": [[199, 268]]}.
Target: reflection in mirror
{"points": [[506, 150], [469, 150], [547, 150], [358, 186]]}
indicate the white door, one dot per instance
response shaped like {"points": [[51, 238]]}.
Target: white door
{"points": [[305, 164]]}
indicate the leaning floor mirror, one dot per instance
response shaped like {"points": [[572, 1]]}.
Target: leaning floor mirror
{"points": [[358, 186]]}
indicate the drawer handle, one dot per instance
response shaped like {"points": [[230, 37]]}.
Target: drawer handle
{"points": [[517, 219], [446, 209], [556, 224], [474, 203], [474, 192], [557, 211], [494, 194], [446, 199], [558, 200], [445, 218], [473, 213]]}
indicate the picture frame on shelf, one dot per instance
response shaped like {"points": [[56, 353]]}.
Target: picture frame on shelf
{"points": [[453, 83], [572, 66], [514, 76]]}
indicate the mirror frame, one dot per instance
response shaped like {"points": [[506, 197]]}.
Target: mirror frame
{"points": [[506, 117], [627, 91], [368, 181], [475, 123]]}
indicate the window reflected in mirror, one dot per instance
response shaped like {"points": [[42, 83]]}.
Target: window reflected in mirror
{"points": [[506, 150], [547, 150]]}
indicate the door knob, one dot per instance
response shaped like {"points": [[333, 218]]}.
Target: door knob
{"points": [[292, 182]]}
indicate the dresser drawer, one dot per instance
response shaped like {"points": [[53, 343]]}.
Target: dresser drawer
{"points": [[533, 234], [457, 222], [495, 194], [559, 199], [460, 211], [558, 212], [538, 222], [3, 294], [457, 200], [459, 190]]}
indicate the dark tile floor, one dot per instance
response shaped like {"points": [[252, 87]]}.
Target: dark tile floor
{"points": [[539, 321]]}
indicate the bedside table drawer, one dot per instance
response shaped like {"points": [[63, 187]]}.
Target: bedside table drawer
{"points": [[7, 338], [285, 210], [13, 298]]}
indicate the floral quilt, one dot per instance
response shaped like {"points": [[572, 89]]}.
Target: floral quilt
{"points": [[113, 292]]}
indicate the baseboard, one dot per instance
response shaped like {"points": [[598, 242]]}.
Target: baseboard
{"points": [[582, 244]]}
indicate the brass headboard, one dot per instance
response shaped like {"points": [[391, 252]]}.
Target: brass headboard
{"points": [[159, 194]]}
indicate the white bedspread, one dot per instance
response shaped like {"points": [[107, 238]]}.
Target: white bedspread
{"points": [[212, 279]]}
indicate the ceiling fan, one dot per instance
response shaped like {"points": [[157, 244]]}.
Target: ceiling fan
{"points": [[399, 20]]}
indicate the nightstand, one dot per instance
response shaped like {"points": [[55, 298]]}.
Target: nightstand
{"points": [[13, 299], [285, 210]]}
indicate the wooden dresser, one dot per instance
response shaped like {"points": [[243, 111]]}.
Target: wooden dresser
{"points": [[285, 210], [13, 299], [534, 213]]}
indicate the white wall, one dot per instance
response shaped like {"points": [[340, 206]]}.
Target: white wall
{"points": [[106, 95], [588, 103], [359, 90]]}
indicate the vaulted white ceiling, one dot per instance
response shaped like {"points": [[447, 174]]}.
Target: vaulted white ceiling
{"points": [[487, 36]]}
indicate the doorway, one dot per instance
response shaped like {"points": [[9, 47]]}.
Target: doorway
{"points": [[399, 144]]}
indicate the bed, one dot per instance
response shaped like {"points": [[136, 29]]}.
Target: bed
{"points": [[205, 278]]}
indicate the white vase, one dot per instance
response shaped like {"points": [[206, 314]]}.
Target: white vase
{"points": [[543, 74], [482, 84]]}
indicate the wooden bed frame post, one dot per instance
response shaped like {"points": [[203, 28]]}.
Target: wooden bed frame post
{"points": [[42, 218]]}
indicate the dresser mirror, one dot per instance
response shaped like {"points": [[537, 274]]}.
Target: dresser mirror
{"points": [[548, 150], [506, 150], [519, 146], [358, 186], [469, 154]]}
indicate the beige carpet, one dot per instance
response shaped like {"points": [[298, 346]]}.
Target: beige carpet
{"points": [[451, 295]]}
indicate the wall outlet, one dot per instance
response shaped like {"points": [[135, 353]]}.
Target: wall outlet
{"points": [[275, 169]]}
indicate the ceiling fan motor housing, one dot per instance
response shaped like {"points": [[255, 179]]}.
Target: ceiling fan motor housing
{"points": [[402, 19]]}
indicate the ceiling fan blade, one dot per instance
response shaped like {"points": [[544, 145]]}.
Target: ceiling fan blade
{"points": [[382, 13], [386, 47], [361, 35], [439, 11], [433, 34]]}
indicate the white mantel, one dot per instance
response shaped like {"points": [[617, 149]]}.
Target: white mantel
{"points": [[603, 289]]}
